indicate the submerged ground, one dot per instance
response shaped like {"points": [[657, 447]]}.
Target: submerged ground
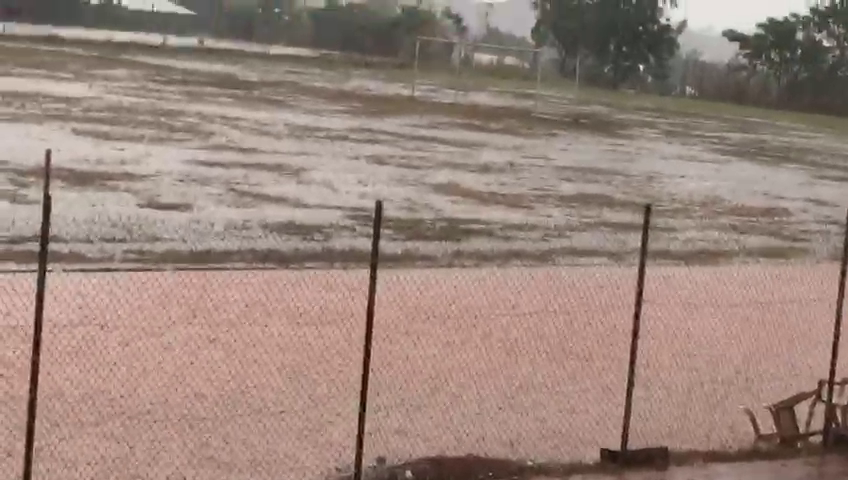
{"points": [[173, 157]]}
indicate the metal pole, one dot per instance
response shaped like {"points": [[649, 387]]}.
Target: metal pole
{"points": [[415, 65], [538, 79], [40, 287], [577, 73], [369, 335], [837, 332], [637, 320], [458, 63], [579, 45]]}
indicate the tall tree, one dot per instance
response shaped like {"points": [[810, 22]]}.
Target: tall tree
{"points": [[53, 11], [624, 37], [806, 56]]}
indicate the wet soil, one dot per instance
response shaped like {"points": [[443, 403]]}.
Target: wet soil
{"points": [[172, 156]]}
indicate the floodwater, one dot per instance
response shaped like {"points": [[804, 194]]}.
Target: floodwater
{"points": [[214, 159], [171, 158]]}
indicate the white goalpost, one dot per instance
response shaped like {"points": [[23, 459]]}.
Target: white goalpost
{"points": [[464, 68]]}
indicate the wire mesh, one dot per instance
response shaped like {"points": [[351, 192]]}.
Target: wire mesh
{"points": [[720, 338], [199, 374], [16, 292], [514, 363], [745, 321]]}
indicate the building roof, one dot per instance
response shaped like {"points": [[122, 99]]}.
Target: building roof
{"points": [[161, 6]]}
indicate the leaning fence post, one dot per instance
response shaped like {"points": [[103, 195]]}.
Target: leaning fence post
{"points": [[837, 332], [637, 322], [41, 285], [658, 457], [369, 335]]}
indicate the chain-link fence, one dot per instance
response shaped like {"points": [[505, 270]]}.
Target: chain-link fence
{"points": [[198, 374], [256, 373]]}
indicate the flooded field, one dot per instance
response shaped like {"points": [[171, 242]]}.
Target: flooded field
{"points": [[166, 157], [178, 158]]}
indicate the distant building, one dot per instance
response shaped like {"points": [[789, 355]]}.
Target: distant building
{"points": [[434, 5], [11, 9], [160, 6]]}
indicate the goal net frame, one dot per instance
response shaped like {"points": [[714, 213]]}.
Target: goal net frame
{"points": [[457, 67]]}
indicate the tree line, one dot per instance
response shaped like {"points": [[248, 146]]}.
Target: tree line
{"points": [[615, 43], [799, 61]]}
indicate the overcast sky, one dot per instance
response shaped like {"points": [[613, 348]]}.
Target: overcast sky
{"points": [[739, 14], [517, 16]]}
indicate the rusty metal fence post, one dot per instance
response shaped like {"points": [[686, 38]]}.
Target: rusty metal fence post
{"points": [[41, 286], [369, 335], [837, 333], [634, 335], [653, 456]]}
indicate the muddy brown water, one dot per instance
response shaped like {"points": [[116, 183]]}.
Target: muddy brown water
{"points": [[181, 160], [243, 160]]}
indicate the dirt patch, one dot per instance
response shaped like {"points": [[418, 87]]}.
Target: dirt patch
{"points": [[329, 134], [584, 173], [751, 211], [27, 54], [330, 257], [401, 161], [30, 257], [16, 197], [766, 152], [235, 148], [251, 198], [505, 128], [716, 256], [324, 257], [832, 177], [31, 239], [443, 229], [435, 161], [817, 202], [279, 168], [510, 200], [305, 231], [401, 138], [72, 177], [164, 206], [603, 226], [112, 135], [782, 231], [21, 101], [595, 200], [213, 80]]}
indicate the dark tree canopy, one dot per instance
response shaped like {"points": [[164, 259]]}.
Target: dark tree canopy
{"points": [[805, 55], [624, 38]]}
